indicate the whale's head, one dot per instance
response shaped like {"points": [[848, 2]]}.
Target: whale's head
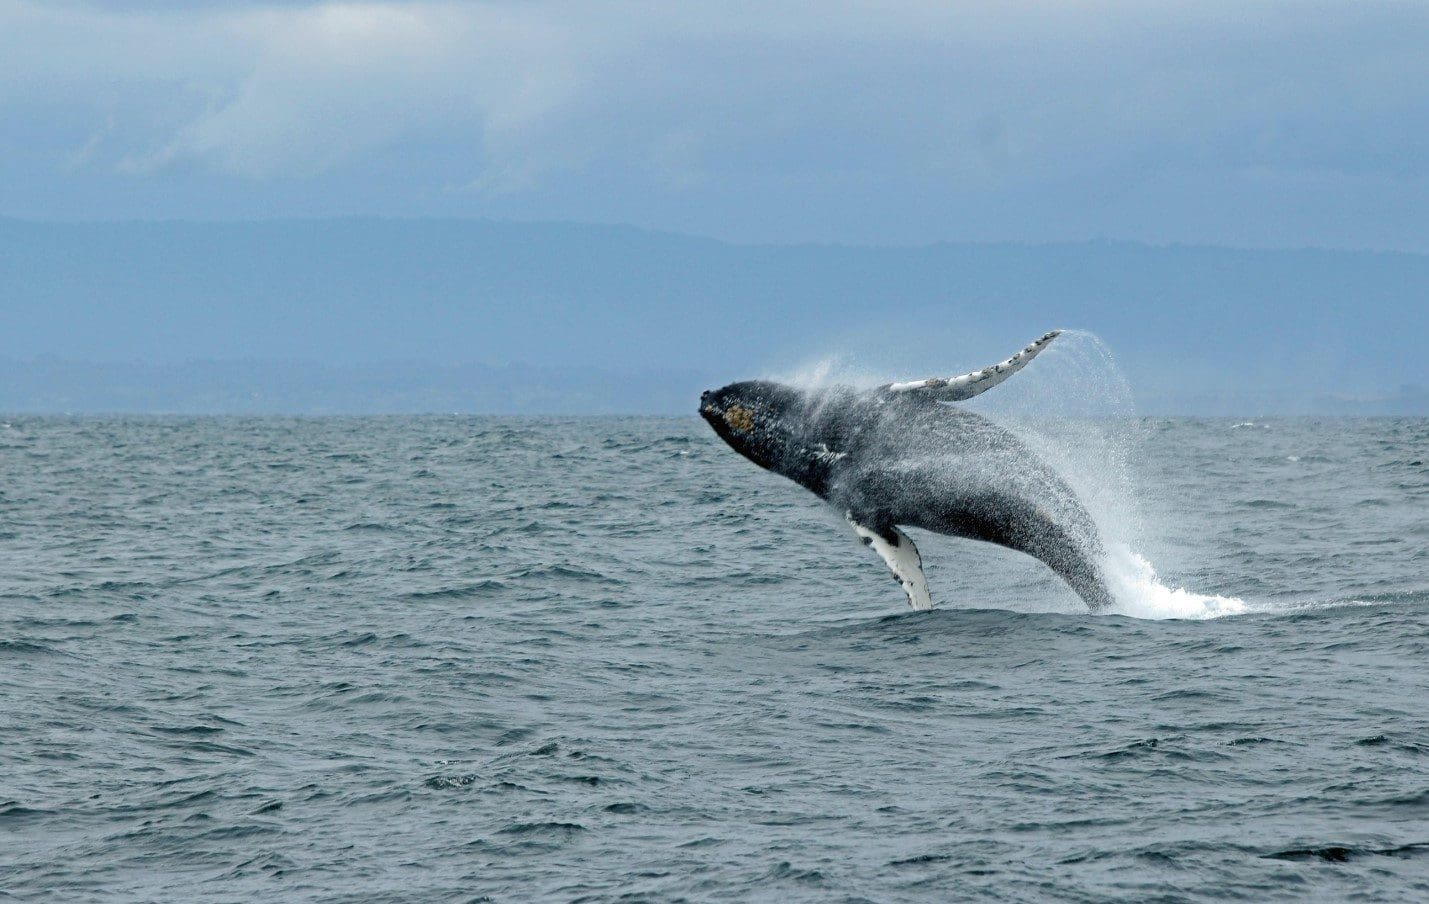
{"points": [[757, 418]]}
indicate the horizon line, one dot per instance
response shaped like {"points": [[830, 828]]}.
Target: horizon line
{"points": [[715, 240]]}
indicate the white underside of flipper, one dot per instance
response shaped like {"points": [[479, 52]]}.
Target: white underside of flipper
{"points": [[956, 389], [903, 560]]}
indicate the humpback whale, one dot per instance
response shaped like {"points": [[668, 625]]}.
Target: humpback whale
{"points": [[900, 456]]}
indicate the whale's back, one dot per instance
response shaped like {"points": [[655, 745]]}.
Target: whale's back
{"points": [[941, 468]]}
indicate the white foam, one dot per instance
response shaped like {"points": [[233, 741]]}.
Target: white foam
{"points": [[1133, 584]]}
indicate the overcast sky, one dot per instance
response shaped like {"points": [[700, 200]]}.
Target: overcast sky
{"points": [[1246, 124]]}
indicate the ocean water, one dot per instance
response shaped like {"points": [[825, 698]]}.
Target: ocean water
{"points": [[483, 659]]}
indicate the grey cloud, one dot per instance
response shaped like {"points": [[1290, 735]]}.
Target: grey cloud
{"points": [[572, 109]]}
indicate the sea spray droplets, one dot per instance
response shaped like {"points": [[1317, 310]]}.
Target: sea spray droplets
{"points": [[1075, 409], [1075, 377], [840, 369]]}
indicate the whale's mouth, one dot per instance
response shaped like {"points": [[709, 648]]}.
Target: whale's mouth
{"points": [[709, 408], [717, 415]]}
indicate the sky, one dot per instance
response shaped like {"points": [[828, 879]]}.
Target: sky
{"points": [[1242, 124]]}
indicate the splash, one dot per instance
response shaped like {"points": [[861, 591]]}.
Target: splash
{"points": [[1076, 411], [1139, 594]]}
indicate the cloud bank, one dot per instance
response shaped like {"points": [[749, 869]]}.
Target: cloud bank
{"points": [[1253, 124]]}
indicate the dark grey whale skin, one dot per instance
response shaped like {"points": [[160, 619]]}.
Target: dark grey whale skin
{"points": [[901, 458]]}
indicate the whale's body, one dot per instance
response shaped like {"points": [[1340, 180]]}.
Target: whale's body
{"points": [[899, 455]]}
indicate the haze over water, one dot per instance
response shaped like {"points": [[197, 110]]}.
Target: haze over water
{"points": [[418, 659]]}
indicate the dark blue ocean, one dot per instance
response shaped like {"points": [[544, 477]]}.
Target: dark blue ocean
{"points": [[476, 659]]}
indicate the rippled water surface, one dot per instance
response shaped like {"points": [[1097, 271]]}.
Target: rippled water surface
{"points": [[456, 659]]}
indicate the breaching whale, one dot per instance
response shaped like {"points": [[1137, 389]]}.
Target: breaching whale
{"points": [[898, 455]]}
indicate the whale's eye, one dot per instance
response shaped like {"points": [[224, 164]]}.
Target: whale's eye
{"points": [[739, 418]]}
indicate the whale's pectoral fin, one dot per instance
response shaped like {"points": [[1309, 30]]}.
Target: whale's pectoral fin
{"points": [[901, 556], [956, 389]]}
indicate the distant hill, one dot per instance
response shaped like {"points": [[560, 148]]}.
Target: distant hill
{"points": [[418, 315]]}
